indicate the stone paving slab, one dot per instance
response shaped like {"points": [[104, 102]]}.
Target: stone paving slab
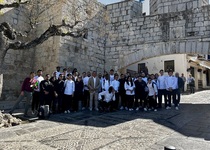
{"points": [[186, 129]]}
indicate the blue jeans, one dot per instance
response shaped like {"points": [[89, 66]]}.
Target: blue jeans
{"points": [[28, 96]]}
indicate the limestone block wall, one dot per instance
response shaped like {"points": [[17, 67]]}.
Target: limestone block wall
{"points": [[155, 35], [47, 54], [85, 53], [167, 6], [17, 63], [120, 29]]}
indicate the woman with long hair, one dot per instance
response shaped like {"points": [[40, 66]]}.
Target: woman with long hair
{"points": [[129, 88]]}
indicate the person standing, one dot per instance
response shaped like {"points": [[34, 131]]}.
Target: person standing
{"points": [[116, 84], [86, 97], [59, 89], [47, 92], [180, 84], [93, 85], [184, 80], [161, 89], [106, 83], [111, 75], [191, 83], [152, 94], [129, 88], [122, 95], [171, 85], [26, 91], [57, 72], [69, 88], [78, 94], [139, 92], [36, 93]]}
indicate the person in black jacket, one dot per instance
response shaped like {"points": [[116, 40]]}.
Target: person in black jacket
{"points": [[139, 92], [47, 91], [78, 93], [122, 92], [59, 90], [180, 85]]}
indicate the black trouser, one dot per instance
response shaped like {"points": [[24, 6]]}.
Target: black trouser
{"points": [[130, 100], [67, 102], [152, 102], [35, 100], [162, 92], [178, 96], [46, 99], [106, 105], [123, 99], [86, 99], [192, 89], [173, 94], [78, 96], [57, 103], [116, 102]]}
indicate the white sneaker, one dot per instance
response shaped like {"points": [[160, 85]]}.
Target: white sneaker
{"points": [[65, 112], [155, 109], [177, 108], [126, 108], [145, 109], [121, 108], [68, 111], [91, 109], [130, 109], [168, 107], [137, 108], [96, 109]]}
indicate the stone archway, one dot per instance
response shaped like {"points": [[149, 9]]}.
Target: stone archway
{"points": [[196, 46]]}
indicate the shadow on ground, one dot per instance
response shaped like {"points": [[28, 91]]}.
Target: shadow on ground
{"points": [[192, 120]]}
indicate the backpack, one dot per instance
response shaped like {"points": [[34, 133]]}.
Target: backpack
{"points": [[44, 112]]}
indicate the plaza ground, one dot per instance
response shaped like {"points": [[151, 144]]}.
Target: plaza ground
{"points": [[185, 129]]}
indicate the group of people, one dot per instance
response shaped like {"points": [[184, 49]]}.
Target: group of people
{"points": [[66, 91]]}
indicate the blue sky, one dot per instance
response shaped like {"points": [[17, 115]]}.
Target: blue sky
{"points": [[145, 4]]}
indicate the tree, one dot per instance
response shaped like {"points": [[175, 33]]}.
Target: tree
{"points": [[34, 10]]}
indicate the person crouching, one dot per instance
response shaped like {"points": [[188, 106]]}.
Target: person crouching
{"points": [[106, 99]]}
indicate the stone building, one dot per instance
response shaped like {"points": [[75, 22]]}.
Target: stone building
{"points": [[118, 36]]}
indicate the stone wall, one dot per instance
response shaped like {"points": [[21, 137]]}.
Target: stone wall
{"points": [[167, 6], [150, 36], [85, 53], [17, 63]]}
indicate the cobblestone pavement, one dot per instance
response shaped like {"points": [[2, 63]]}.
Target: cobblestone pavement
{"points": [[185, 129]]}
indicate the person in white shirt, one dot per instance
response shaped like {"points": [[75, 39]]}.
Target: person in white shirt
{"points": [[111, 75], [171, 86], [116, 84], [191, 83], [161, 89], [57, 72], [152, 94], [129, 88], [69, 88], [86, 90], [106, 99], [106, 83], [37, 93], [144, 77]]}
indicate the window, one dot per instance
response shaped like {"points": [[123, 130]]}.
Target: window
{"points": [[168, 65], [141, 67]]}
